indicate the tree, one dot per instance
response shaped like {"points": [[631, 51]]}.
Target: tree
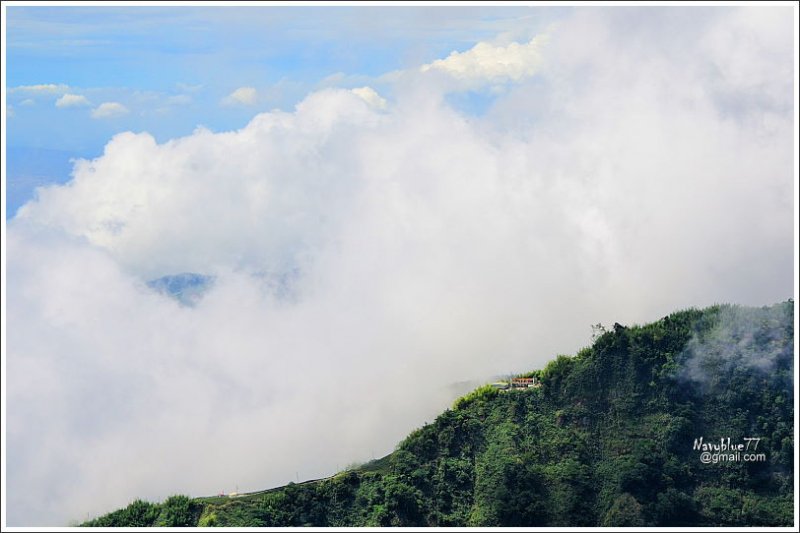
{"points": [[624, 512], [178, 511]]}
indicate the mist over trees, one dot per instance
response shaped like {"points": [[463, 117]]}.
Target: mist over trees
{"points": [[609, 439]]}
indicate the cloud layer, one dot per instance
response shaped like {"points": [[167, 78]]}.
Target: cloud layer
{"points": [[109, 110], [44, 88], [368, 256], [72, 100], [241, 96], [487, 62]]}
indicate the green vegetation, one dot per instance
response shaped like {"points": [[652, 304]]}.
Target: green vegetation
{"points": [[176, 511], [607, 440], [486, 392]]}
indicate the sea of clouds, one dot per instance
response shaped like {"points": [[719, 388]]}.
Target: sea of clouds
{"points": [[370, 250]]}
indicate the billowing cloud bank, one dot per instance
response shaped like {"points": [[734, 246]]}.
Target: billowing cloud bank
{"points": [[367, 256]]}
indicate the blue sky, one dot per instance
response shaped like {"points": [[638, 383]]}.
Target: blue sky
{"points": [[171, 67]]}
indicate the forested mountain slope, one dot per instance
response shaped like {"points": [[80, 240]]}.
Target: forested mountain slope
{"points": [[614, 436]]}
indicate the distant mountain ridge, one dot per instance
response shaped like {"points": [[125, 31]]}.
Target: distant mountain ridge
{"points": [[187, 287], [613, 437]]}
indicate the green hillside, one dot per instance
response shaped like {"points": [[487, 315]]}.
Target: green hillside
{"points": [[614, 436]]}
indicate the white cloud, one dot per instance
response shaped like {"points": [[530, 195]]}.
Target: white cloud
{"points": [[487, 62], [123, 214], [371, 97], [241, 96], [744, 48], [28, 102], [179, 99], [46, 88], [362, 254], [109, 110], [188, 88], [72, 100]]}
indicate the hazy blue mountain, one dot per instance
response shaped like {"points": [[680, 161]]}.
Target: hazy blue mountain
{"points": [[187, 287]]}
